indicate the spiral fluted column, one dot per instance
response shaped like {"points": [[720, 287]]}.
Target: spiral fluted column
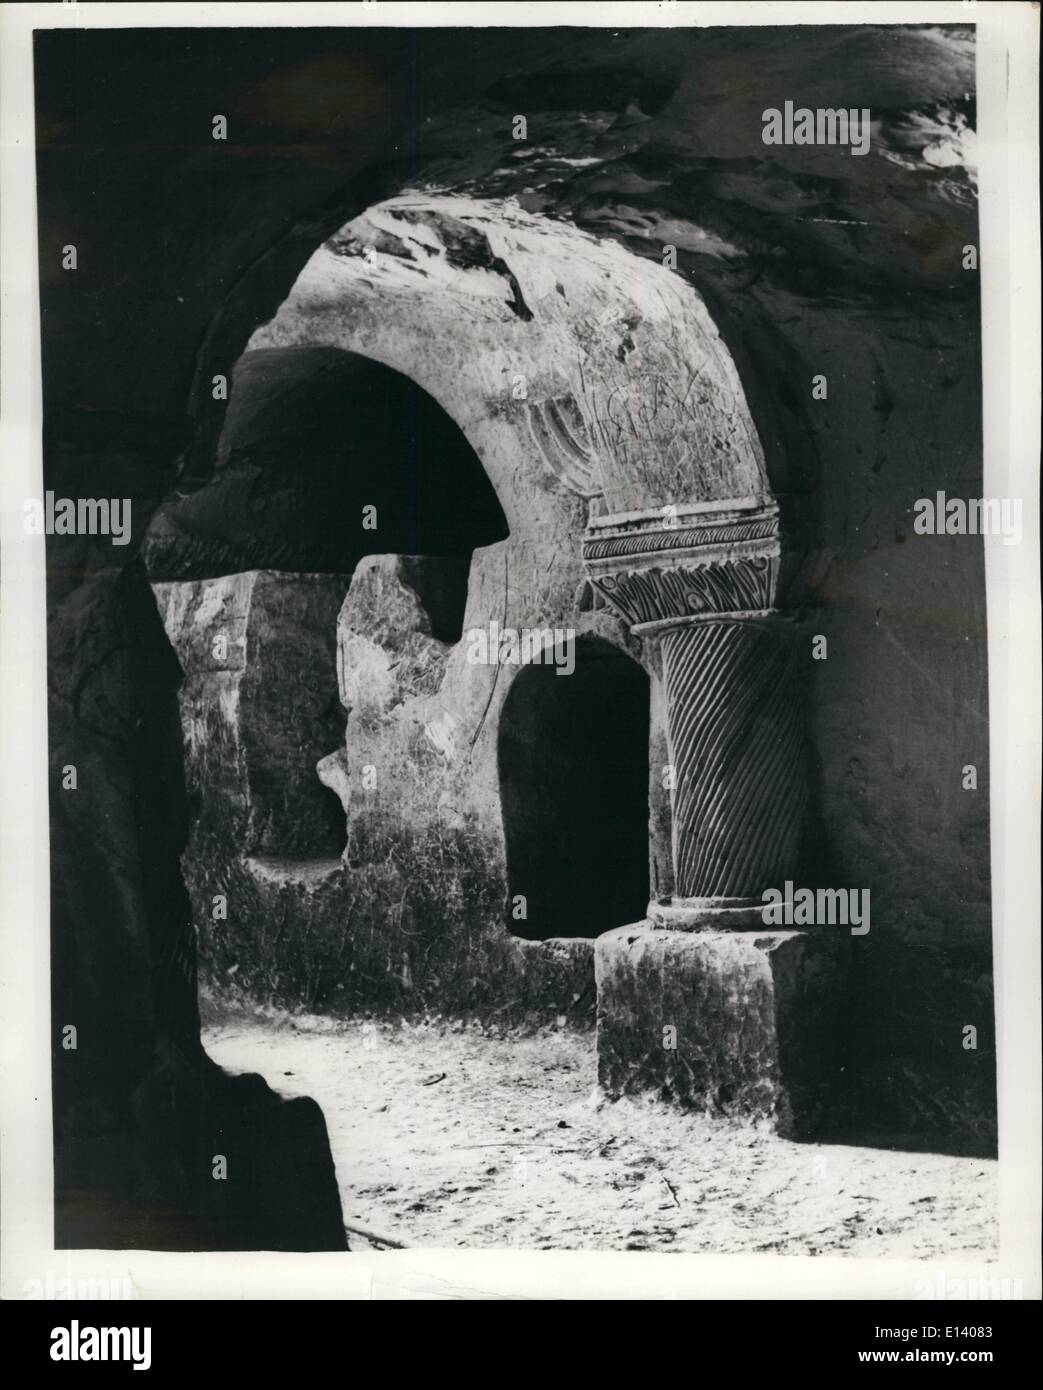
{"points": [[701, 580]]}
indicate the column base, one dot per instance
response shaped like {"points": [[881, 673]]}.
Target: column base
{"points": [[729, 1023], [700, 914]]}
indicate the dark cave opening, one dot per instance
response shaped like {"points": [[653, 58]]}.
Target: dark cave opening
{"points": [[327, 456], [573, 761]]}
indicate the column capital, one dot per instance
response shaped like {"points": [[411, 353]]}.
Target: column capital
{"points": [[674, 563]]}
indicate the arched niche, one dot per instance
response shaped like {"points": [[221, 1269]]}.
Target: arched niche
{"points": [[573, 766]]}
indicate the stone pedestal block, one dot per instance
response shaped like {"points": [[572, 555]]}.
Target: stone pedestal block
{"points": [[742, 1024]]}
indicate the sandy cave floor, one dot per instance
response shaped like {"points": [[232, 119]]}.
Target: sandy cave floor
{"points": [[443, 1137]]}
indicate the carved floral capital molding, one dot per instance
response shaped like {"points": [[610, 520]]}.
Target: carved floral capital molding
{"points": [[684, 561]]}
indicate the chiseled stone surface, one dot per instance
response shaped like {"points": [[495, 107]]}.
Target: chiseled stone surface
{"points": [[377, 929], [259, 706], [325, 937], [731, 1023]]}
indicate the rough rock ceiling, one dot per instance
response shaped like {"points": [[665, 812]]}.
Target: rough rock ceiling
{"points": [[656, 138]]}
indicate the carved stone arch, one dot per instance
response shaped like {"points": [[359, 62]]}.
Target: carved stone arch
{"points": [[577, 370], [611, 423]]}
